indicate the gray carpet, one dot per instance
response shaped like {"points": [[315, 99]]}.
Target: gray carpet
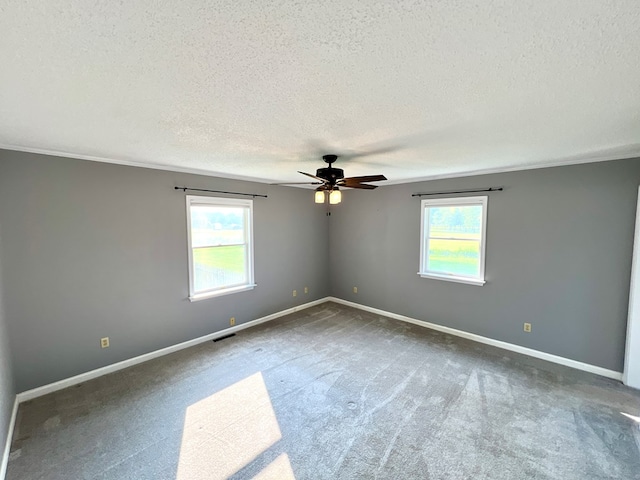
{"points": [[333, 392]]}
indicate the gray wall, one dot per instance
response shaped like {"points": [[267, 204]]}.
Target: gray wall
{"points": [[559, 245], [92, 250], [7, 388]]}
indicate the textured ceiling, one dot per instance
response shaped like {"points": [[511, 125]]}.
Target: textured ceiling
{"points": [[259, 90]]}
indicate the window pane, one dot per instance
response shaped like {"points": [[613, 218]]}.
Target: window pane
{"points": [[216, 267], [456, 222], [457, 257], [216, 225]]}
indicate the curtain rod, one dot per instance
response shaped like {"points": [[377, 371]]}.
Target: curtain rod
{"points": [[254, 195], [492, 189]]}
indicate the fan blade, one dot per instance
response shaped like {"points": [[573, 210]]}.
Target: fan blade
{"points": [[297, 183], [366, 178], [313, 176], [359, 185]]}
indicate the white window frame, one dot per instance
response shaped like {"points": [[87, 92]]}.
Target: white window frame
{"points": [[424, 238], [248, 232]]}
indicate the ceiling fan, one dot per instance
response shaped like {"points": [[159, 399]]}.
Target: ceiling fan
{"points": [[331, 179]]}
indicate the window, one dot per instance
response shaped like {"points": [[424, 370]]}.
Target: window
{"points": [[219, 232], [452, 239]]}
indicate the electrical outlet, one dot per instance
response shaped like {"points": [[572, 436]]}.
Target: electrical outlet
{"points": [[295, 293], [527, 327], [355, 289], [104, 342], [232, 321], [306, 289]]}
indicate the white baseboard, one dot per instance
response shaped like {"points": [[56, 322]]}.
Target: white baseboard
{"points": [[83, 377], [7, 448], [489, 341]]}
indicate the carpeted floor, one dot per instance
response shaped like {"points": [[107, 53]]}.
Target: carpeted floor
{"points": [[333, 392]]}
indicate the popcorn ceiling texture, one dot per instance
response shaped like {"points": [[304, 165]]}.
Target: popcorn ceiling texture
{"points": [[261, 89]]}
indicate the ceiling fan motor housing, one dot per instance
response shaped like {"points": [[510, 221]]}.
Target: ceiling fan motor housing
{"points": [[330, 173]]}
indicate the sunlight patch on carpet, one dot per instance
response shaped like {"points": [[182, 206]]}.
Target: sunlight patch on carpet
{"points": [[279, 469], [632, 417], [226, 431]]}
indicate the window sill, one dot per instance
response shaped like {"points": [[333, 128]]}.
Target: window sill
{"points": [[218, 293], [453, 278]]}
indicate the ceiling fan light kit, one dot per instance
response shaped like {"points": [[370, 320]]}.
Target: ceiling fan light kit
{"points": [[335, 196], [319, 197]]}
